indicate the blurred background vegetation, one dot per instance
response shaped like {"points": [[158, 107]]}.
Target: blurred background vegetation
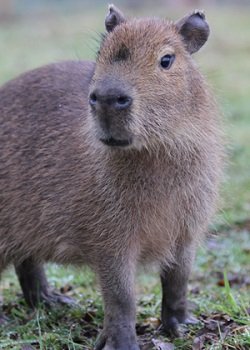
{"points": [[37, 32]]}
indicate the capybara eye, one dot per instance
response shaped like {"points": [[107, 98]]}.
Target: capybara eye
{"points": [[167, 60]]}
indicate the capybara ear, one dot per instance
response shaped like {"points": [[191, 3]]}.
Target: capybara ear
{"points": [[113, 18], [194, 30]]}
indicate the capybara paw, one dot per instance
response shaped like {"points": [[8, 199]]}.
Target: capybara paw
{"points": [[171, 324], [54, 297], [116, 342]]}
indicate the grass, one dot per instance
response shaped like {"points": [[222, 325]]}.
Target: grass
{"points": [[220, 287], [218, 294]]}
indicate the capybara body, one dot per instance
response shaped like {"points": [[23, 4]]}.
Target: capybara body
{"points": [[112, 164]]}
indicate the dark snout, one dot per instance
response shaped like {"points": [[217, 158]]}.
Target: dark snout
{"points": [[110, 99], [111, 106]]}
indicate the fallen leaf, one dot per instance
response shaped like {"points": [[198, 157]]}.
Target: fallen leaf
{"points": [[152, 322], [65, 289], [13, 336], [142, 328], [159, 345], [233, 279], [89, 316], [198, 343]]}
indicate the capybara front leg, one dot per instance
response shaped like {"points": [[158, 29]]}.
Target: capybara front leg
{"points": [[174, 280], [117, 283]]}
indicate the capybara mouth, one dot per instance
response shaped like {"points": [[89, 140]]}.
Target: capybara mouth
{"points": [[116, 143]]}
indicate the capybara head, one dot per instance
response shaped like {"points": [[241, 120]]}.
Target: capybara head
{"points": [[146, 89]]}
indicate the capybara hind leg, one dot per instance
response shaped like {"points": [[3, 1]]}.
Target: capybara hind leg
{"points": [[35, 287], [174, 281], [117, 283]]}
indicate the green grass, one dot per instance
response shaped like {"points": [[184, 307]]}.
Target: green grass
{"points": [[218, 263], [227, 66], [225, 260]]}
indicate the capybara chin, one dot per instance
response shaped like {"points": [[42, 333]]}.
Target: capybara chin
{"points": [[112, 163]]}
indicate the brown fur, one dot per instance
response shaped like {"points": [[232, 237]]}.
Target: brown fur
{"points": [[67, 198]]}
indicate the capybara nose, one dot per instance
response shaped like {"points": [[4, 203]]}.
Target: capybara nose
{"points": [[110, 99]]}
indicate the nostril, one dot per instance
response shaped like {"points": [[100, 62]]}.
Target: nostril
{"points": [[123, 102], [92, 99]]}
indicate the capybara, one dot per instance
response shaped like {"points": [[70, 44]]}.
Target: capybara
{"points": [[112, 164]]}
